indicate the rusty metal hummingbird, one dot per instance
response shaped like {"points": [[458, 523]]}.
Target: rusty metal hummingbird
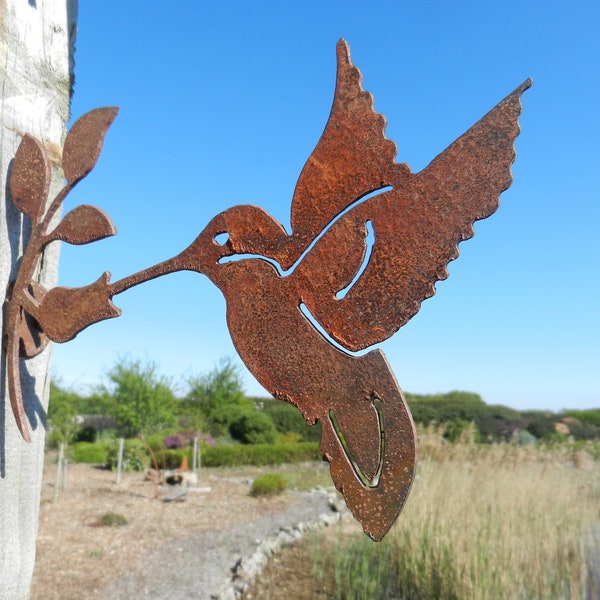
{"points": [[368, 241]]}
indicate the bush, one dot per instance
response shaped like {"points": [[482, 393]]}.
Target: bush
{"points": [[580, 430], [541, 424], [291, 437], [253, 427], [452, 406], [172, 459], [453, 429], [111, 519], [86, 434], [216, 398], [86, 452], [135, 456], [178, 440], [591, 416], [268, 485], [260, 454], [288, 419]]}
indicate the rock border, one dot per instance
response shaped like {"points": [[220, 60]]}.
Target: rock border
{"points": [[247, 568]]}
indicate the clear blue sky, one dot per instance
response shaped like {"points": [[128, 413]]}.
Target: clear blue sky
{"points": [[222, 103]]}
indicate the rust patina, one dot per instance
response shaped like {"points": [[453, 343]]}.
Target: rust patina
{"points": [[368, 241]]}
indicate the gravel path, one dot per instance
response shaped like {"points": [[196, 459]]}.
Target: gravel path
{"points": [[203, 566]]}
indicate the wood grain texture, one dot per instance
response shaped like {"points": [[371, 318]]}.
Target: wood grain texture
{"points": [[36, 52]]}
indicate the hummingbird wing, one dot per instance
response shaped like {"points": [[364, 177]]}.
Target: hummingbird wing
{"points": [[351, 159], [417, 227]]}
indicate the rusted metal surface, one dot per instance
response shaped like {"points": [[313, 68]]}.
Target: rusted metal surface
{"points": [[305, 300], [30, 310]]}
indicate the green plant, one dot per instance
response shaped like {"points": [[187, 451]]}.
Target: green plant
{"points": [[86, 452], [111, 519], [172, 459], [235, 455], [216, 398], [141, 401], [291, 437], [454, 429], [253, 427], [268, 485], [288, 419], [62, 410], [135, 456]]}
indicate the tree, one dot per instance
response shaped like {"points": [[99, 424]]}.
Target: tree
{"points": [[541, 423], [252, 426], [35, 69], [440, 408], [140, 400], [218, 397], [62, 413], [590, 416]]}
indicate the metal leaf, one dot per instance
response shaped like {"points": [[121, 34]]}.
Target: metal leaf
{"points": [[30, 178], [84, 142], [84, 224]]}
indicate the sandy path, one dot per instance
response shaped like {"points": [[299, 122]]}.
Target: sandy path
{"points": [[197, 566], [166, 550]]}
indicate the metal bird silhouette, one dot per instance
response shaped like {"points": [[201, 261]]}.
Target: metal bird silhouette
{"points": [[368, 241]]}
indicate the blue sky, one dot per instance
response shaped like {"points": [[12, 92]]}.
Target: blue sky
{"points": [[222, 103]]}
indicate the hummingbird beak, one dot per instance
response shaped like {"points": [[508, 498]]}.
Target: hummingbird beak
{"points": [[204, 253]]}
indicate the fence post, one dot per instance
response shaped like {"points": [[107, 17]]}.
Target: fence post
{"points": [[60, 474], [195, 456], [120, 460]]}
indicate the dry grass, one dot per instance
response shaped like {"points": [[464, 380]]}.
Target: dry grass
{"points": [[501, 521], [482, 522]]}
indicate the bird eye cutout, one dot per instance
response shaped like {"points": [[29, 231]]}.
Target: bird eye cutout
{"points": [[221, 238]]}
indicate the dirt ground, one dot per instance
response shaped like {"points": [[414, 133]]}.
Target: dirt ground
{"points": [[78, 558]]}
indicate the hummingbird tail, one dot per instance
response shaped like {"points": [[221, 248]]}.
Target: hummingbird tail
{"points": [[375, 503]]}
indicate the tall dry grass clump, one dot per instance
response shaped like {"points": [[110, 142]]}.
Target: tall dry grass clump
{"points": [[482, 522]]}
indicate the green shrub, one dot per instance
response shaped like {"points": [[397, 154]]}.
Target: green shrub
{"points": [[86, 452], [172, 459], [454, 429], [590, 416], [541, 424], [268, 485], [581, 430], [260, 454], [86, 434], [288, 419], [155, 441], [216, 398], [253, 427], [290, 437], [111, 519], [135, 456]]}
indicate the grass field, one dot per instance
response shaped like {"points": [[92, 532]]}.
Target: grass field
{"points": [[482, 522]]}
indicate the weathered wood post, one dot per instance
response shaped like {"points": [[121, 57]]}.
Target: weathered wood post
{"points": [[36, 60]]}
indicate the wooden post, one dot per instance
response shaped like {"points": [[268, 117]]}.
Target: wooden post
{"points": [[195, 456], [36, 48], [120, 460], [60, 472]]}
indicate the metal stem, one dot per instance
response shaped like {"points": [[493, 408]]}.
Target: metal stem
{"points": [[163, 268]]}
